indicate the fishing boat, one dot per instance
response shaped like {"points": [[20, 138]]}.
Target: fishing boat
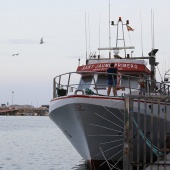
{"points": [[93, 121]]}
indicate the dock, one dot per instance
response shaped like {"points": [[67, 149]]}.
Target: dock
{"points": [[152, 141], [27, 110], [146, 136], [162, 164]]}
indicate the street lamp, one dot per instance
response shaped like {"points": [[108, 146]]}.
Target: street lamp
{"points": [[12, 97]]}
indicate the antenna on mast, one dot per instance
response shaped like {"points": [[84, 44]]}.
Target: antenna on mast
{"points": [[99, 36], [109, 33], [153, 43], [152, 29], [141, 33], [89, 34], [152, 59], [86, 35]]}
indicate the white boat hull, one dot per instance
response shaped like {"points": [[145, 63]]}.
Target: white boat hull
{"points": [[95, 125]]}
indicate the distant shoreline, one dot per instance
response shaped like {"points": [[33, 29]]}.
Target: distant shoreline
{"points": [[23, 111]]}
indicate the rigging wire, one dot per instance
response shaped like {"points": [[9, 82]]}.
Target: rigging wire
{"points": [[99, 34], [165, 64], [151, 30], [160, 74], [141, 33], [153, 33], [89, 35], [154, 148]]}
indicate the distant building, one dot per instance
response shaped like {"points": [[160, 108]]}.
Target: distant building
{"points": [[22, 106], [47, 106]]}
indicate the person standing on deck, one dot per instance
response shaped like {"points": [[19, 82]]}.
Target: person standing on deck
{"points": [[112, 79], [142, 84], [118, 86]]}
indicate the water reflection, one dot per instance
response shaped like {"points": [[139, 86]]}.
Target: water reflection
{"points": [[82, 166], [98, 166]]}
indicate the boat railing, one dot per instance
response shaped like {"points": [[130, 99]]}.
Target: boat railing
{"points": [[68, 83]]}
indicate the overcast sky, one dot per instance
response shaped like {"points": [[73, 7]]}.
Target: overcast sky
{"points": [[61, 23]]}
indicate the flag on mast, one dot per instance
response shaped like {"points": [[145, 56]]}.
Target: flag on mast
{"points": [[129, 28]]}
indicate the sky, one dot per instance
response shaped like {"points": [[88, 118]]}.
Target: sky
{"points": [[27, 78]]}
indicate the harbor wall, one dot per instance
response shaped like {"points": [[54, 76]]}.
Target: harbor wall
{"points": [[26, 110]]}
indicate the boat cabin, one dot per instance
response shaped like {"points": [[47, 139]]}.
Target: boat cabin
{"points": [[94, 75]]}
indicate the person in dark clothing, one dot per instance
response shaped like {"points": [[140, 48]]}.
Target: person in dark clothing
{"points": [[112, 79]]}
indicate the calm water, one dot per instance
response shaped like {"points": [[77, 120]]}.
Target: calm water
{"points": [[35, 143]]}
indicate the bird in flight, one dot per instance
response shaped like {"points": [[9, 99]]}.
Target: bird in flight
{"points": [[15, 54], [41, 41]]}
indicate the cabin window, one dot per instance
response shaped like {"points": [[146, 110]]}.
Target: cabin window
{"points": [[85, 82], [133, 82], [101, 81]]}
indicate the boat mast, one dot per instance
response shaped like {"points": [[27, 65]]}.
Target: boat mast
{"points": [[152, 59], [123, 39], [117, 39]]}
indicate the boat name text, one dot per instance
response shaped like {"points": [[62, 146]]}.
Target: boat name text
{"points": [[107, 65]]}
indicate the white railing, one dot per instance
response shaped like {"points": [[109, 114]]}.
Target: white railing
{"points": [[67, 83]]}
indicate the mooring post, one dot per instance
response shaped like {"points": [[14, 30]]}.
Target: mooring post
{"points": [[128, 133]]}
